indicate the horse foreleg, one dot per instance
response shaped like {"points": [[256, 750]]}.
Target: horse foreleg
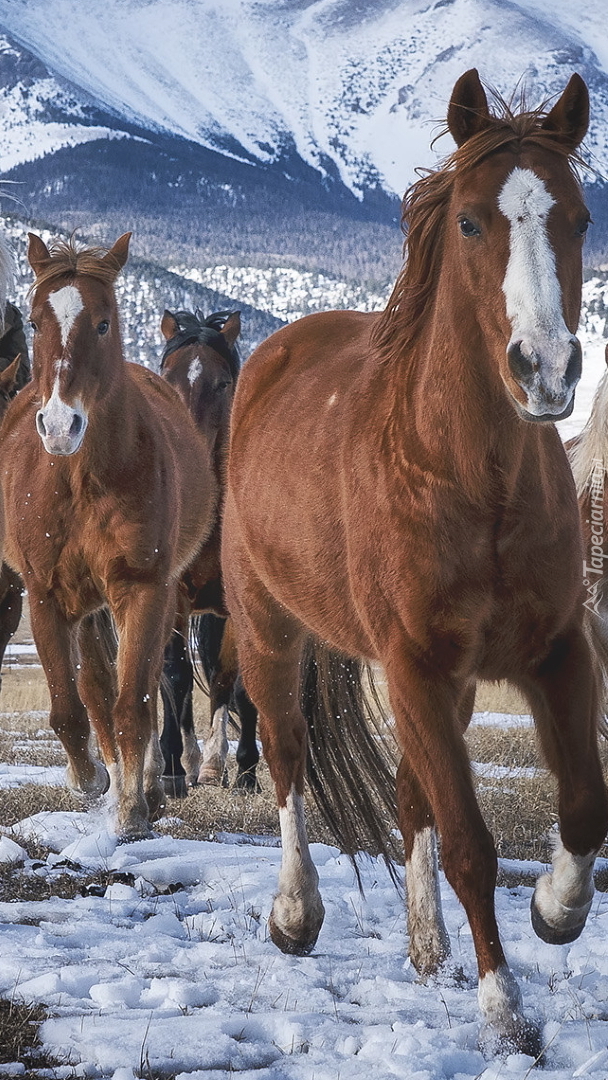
{"points": [[426, 714], [563, 698], [97, 680], [247, 753], [11, 606], [142, 614], [220, 665], [429, 943], [215, 751], [176, 692], [68, 717], [272, 680]]}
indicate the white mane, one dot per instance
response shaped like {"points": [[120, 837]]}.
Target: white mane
{"points": [[591, 446]]}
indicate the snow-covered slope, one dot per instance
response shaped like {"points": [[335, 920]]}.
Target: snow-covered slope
{"points": [[39, 113], [353, 86]]}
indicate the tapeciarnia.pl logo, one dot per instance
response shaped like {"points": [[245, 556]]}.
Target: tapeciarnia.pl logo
{"points": [[593, 570]]}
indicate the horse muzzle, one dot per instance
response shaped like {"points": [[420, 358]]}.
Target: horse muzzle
{"points": [[547, 376], [61, 429]]}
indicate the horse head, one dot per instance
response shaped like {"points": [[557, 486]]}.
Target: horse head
{"points": [[516, 223], [201, 361], [76, 335]]}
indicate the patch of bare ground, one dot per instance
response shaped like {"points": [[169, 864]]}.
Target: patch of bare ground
{"points": [[19, 1039]]}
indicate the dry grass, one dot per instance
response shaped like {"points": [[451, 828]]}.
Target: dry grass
{"points": [[19, 1040], [520, 811]]}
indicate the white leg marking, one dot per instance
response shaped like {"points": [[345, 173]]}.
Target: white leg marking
{"points": [[531, 286], [505, 1029], [564, 896], [67, 304], [191, 757], [216, 749], [154, 764], [297, 912], [499, 997], [429, 943]]}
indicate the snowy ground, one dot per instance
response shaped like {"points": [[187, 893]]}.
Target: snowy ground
{"points": [[169, 971]]}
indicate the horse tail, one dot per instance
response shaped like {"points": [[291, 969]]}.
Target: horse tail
{"points": [[205, 643], [212, 643], [597, 637], [352, 756]]}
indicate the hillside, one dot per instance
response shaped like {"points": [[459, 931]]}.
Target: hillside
{"points": [[272, 135]]}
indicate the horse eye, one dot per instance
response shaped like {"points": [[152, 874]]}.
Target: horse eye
{"points": [[103, 327], [468, 227], [583, 226], [222, 386], [33, 326]]}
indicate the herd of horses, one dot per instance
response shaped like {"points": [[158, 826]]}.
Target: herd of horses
{"points": [[371, 488]]}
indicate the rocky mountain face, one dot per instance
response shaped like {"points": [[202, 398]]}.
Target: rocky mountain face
{"points": [[267, 136]]}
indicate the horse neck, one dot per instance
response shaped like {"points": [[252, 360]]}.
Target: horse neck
{"points": [[110, 443], [450, 412], [589, 451]]}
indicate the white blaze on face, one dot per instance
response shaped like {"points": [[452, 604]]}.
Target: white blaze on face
{"points": [[195, 369], [531, 285], [67, 305], [61, 426]]}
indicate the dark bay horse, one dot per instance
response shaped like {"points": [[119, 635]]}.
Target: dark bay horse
{"points": [[11, 585], [201, 361], [108, 496], [397, 492]]}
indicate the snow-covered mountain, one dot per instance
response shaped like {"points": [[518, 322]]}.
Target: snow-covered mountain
{"points": [[350, 87]]}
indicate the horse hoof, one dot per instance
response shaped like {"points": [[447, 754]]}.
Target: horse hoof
{"points": [[128, 837], [211, 777], [551, 934], [93, 788], [523, 1038], [157, 802], [287, 944], [175, 786], [247, 784]]}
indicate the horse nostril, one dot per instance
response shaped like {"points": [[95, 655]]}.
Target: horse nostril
{"points": [[40, 428], [76, 425], [521, 366], [575, 363]]}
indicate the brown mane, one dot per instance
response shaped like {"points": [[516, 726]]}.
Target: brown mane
{"points": [[423, 217], [68, 260]]}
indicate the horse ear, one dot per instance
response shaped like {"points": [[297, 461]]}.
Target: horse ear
{"points": [[119, 253], [37, 252], [468, 111], [8, 377], [569, 117], [169, 325], [232, 328]]}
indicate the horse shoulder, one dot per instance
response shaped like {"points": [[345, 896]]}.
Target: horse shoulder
{"points": [[327, 345]]}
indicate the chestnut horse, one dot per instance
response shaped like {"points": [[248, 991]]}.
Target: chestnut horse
{"points": [[201, 361], [398, 493], [588, 453], [108, 496]]}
